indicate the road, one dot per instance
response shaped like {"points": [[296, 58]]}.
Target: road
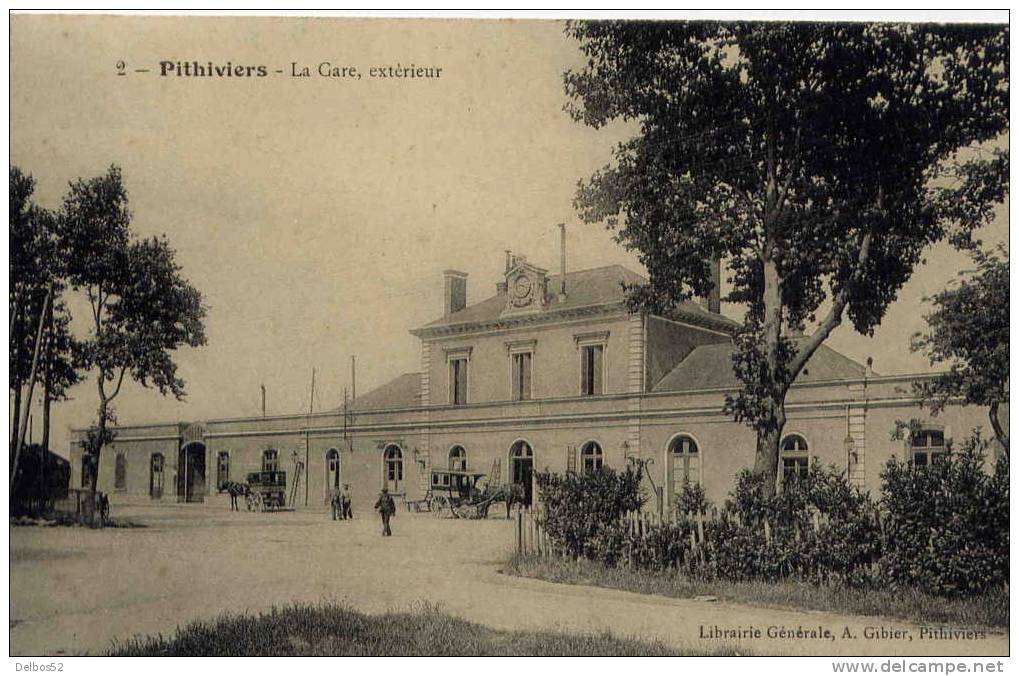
{"points": [[76, 590]]}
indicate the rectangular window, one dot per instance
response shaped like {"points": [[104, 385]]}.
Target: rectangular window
{"points": [[223, 469], [591, 370], [521, 376], [928, 447], [270, 460], [458, 382], [120, 473]]}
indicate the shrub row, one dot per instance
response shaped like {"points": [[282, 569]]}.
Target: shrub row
{"points": [[942, 529]]}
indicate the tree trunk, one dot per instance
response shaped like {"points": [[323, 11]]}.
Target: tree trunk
{"points": [[46, 384], [999, 432], [17, 414], [15, 380], [769, 425], [769, 434]]}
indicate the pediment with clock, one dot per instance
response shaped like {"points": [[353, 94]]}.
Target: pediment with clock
{"points": [[526, 287]]}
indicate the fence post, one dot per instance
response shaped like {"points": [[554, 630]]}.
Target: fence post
{"points": [[520, 530]]}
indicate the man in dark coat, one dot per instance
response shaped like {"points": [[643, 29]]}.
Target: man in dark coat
{"points": [[386, 508], [336, 502], [345, 507]]}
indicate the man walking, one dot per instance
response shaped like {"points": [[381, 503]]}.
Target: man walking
{"points": [[386, 508], [345, 503], [336, 502]]}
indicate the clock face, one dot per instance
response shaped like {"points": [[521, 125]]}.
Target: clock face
{"points": [[521, 291], [522, 287]]}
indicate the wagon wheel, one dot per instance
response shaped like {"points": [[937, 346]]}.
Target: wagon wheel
{"points": [[437, 505]]}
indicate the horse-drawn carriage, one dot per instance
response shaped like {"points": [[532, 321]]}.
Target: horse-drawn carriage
{"points": [[266, 490], [456, 494]]}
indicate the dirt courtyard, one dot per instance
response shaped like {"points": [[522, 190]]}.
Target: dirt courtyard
{"points": [[76, 590]]}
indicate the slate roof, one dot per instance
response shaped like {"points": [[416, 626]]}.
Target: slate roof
{"points": [[584, 288], [401, 392], [710, 366]]}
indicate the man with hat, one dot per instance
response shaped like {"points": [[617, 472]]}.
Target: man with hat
{"points": [[386, 508]]}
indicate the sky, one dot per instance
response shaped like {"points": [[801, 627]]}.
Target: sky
{"points": [[316, 215]]}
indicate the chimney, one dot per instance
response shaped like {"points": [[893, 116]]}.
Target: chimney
{"points": [[562, 262], [713, 301], [455, 292], [509, 261]]}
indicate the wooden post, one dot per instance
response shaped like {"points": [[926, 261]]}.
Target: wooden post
{"points": [[530, 529], [520, 532]]}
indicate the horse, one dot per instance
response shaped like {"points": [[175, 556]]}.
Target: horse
{"points": [[235, 489], [509, 493]]}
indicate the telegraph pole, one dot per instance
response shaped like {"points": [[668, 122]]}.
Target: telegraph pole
{"points": [[311, 402], [31, 383]]}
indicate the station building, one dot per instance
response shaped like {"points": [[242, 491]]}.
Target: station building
{"points": [[550, 372]]}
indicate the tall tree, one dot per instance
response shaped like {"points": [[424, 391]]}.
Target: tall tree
{"points": [[35, 263], [811, 156], [968, 329], [23, 272], [142, 307]]}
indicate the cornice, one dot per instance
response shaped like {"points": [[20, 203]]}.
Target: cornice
{"points": [[514, 321], [552, 316]]}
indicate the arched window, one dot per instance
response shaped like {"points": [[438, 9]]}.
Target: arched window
{"points": [[458, 458], [270, 460], [686, 462], [120, 473], [591, 457], [392, 460], [333, 469], [795, 457], [522, 466], [927, 447], [222, 469]]}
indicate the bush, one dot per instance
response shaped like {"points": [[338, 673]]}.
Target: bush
{"points": [[579, 506], [946, 528], [691, 500], [822, 529], [945, 533]]}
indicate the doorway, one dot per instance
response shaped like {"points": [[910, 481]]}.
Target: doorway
{"points": [[522, 467], [191, 473], [332, 473], [156, 476]]}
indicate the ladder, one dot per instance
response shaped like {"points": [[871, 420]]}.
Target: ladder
{"points": [[298, 471], [493, 478]]}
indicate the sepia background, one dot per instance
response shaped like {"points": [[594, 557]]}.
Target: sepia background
{"points": [[316, 215]]}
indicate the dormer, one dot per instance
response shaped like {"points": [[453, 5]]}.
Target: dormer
{"points": [[526, 286]]}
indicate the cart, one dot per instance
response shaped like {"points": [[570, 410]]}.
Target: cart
{"points": [[266, 491], [454, 494]]}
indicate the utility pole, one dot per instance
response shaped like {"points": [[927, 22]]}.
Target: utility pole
{"points": [[353, 376], [311, 402], [31, 383]]}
